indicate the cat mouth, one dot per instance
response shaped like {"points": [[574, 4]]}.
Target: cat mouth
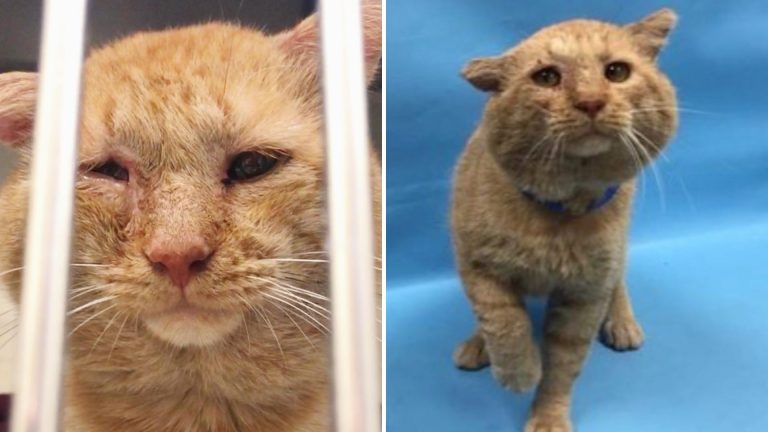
{"points": [[185, 324], [591, 144], [189, 311]]}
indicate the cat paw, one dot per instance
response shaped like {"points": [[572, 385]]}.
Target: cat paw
{"points": [[518, 378], [622, 334], [471, 354], [548, 423]]}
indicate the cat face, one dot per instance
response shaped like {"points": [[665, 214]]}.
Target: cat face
{"points": [[199, 197], [580, 91]]}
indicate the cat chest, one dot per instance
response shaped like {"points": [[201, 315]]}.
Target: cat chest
{"points": [[548, 260]]}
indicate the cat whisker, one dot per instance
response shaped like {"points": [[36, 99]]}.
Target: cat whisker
{"points": [[687, 194], [635, 162], [12, 336], [13, 309], [262, 313], [650, 143], [3, 273], [311, 253], [114, 343], [678, 107], [136, 323], [89, 304], [288, 315], [536, 147], [86, 290], [9, 328], [632, 153], [109, 324], [310, 306], [295, 289], [673, 108], [302, 313], [295, 260], [320, 310], [247, 333], [540, 109], [91, 318], [9, 271], [550, 165], [657, 176], [288, 295]]}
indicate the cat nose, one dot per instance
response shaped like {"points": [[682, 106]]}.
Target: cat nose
{"points": [[590, 107], [179, 258]]}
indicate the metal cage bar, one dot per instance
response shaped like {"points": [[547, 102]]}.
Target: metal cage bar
{"points": [[36, 407], [356, 386]]}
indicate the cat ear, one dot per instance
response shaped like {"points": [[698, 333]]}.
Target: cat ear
{"points": [[18, 91], [486, 73], [650, 33], [303, 44]]}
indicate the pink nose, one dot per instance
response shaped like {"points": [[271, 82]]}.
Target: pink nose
{"points": [[590, 107], [179, 258]]}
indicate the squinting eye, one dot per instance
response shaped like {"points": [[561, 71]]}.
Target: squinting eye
{"points": [[617, 71], [112, 170], [547, 77], [249, 165]]}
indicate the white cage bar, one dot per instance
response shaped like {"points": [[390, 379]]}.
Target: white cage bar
{"points": [[356, 385], [36, 407]]}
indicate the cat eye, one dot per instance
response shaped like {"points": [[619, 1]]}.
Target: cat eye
{"points": [[617, 71], [113, 170], [252, 164], [547, 77]]}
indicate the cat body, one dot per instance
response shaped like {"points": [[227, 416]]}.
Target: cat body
{"points": [[542, 198], [200, 289]]}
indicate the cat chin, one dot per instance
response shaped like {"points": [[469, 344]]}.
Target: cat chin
{"points": [[589, 146], [192, 327]]}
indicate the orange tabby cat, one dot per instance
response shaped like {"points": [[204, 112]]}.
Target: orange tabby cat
{"points": [[542, 199], [199, 299]]}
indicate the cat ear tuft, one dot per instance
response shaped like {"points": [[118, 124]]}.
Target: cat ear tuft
{"points": [[302, 42], [486, 73], [650, 33], [18, 94]]}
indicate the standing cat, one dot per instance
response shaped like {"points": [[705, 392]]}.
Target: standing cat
{"points": [[199, 299], [542, 199]]}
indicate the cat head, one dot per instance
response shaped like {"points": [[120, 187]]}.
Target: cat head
{"points": [[200, 189], [580, 97]]}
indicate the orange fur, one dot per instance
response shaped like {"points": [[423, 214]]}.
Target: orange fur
{"points": [[247, 351], [535, 138]]}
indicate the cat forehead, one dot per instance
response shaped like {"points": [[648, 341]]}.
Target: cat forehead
{"points": [[193, 89], [578, 39]]}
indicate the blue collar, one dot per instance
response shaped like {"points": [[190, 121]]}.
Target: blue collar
{"points": [[559, 206]]}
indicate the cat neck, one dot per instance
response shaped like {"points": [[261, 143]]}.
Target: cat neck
{"points": [[582, 202], [569, 192]]}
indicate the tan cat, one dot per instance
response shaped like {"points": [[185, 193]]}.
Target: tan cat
{"points": [[543, 194], [199, 299]]}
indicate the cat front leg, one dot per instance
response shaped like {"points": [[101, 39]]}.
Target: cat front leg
{"points": [[471, 354], [571, 323], [621, 331], [505, 328]]}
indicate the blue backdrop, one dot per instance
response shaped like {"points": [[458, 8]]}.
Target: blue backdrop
{"points": [[698, 262]]}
